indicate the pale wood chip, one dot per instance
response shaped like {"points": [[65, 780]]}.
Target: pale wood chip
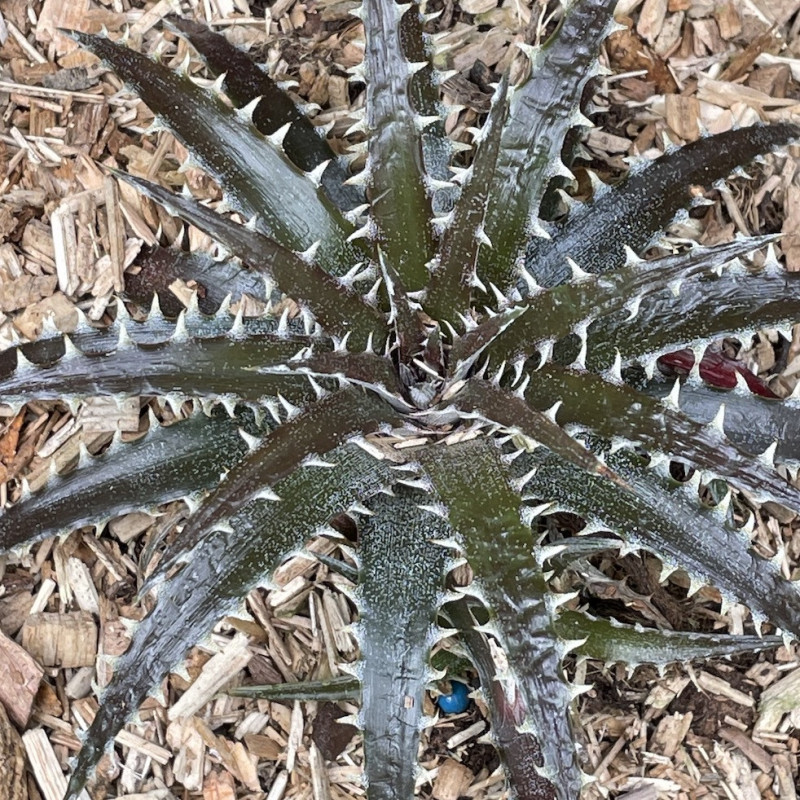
{"points": [[711, 683], [651, 18], [682, 116], [320, 785], [790, 244], [189, 762], [777, 700], [263, 746], [756, 754], [215, 674], [473, 731], [219, 786], [670, 733], [67, 639], [109, 414], [44, 765], [452, 780]]}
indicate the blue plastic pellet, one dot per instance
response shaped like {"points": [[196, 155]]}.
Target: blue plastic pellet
{"points": [[458, 699]]}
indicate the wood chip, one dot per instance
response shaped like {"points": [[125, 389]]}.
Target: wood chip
{"points": [[44, 765], [61, 639], [20, 682], [109, 414], [683, 114], [452, 780], [189, 763], [651, 19], [12, 761], [756, 754], [711, 683], [215, 674], [219, 786]]}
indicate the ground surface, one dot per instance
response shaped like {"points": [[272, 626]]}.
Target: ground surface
{"points": [[71, 237]]}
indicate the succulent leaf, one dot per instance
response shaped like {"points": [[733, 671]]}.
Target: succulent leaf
{"points": [[244, 82], [671, 523], [610, 641], [482, 507], [630, 211], [455, 273], [227, 563], [334, 306], [341, 688], [211, 367], [317, 429], [166, 464], [611, 411], [401, 208], [623, 310], [520, 750], [541, 113], [400, 587], [256, 175], [431, 414], [753, 423]]}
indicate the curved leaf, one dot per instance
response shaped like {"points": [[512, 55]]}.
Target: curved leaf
{"points": [[256, 175], [629, 210], [244, 82], [735, 303], [166, 464], [338, 310], [751, 422], [400, 205], [455, 265], [519, 750], [542, 112], [228, 562], [615, 412], [471, 483], [400, 587], [317, 429], [614, 311], [611, 641], [213, 367], [670, 522], [488, 402]]}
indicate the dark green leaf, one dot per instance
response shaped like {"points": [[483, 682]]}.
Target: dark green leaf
{"points": [[611, 641], [541, 113], [629, 210], [400, 586], [670, 522], [400, 204], [619, 412], [214, 367], [338, 310], [166, 464], [319, 428], [255, 174], [224, 567], [753, 423], [244, 82], [481, 506]]}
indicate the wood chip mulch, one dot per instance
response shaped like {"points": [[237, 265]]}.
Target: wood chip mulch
{"points": [[70, 237]]}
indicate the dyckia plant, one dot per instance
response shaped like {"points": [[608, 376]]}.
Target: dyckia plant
{"points": [[455, 371]]}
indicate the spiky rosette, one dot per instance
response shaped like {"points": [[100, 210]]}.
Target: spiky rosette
{"points": [[426, 385]]}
